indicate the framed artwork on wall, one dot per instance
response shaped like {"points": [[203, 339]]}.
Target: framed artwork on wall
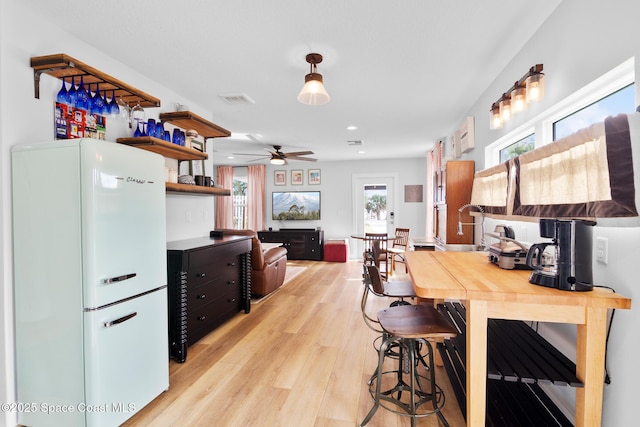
{"points": [[280, 178], [296, 177], [313, 177]]}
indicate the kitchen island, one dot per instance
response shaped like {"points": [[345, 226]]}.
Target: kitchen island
{"points": [[491, 292]]}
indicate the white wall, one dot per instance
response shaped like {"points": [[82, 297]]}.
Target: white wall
{"points": [[581, 41], [337, 198]]}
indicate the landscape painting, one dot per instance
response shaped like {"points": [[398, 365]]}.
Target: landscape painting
{"points": [[296, 205]]}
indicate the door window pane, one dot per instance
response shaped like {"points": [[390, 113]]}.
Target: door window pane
{"points": [[621, 101], [375, 205]]}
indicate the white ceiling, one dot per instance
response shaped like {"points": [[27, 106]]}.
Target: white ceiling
{"points": [[404, 72]]}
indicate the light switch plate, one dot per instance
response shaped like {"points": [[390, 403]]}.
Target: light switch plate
{"points": [[602, 250]]}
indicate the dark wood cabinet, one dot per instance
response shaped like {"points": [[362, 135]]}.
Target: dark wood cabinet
{"points": [[301, 243], [209, 281]]}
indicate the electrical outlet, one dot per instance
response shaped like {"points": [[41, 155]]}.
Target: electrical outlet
{"points": [[187, 216], [602, 250]]}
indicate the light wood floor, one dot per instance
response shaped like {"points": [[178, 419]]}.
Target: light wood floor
{"points": [[302, 357]]}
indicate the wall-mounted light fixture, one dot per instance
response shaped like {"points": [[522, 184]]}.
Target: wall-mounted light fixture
{"points": [[530, 88], [313, 91]]}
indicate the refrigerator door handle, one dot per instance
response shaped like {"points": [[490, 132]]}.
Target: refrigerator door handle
{"points": [[120, 320], [118, 278]]}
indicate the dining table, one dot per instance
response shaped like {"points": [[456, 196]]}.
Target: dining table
{"points": [[489, 291], [366, 238]]}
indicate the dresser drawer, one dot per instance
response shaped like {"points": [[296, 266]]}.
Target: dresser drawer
{"points": [[220, 289], [211, 265], [202, 321]]}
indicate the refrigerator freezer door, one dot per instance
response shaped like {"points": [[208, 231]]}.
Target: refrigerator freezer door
{"points": [[124, 227], [127, 360]]}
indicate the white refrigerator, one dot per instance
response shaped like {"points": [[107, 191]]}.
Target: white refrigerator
{"points": [[90, 281]]}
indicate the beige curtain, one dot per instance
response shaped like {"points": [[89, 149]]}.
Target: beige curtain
{"points": [[491, 189], [589, 174], [255, 196], [224, 204]]}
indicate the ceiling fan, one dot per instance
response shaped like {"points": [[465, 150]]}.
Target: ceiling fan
{"points": [[277, 157]]}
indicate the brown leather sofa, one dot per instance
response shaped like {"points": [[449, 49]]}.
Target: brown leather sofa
{"points": [[267, 267]]}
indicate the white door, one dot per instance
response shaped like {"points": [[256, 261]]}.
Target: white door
{"points": [[374, 209]]}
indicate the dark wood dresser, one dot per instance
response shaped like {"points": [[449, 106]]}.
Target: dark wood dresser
{"points": [[301, 243], [209, 281]]}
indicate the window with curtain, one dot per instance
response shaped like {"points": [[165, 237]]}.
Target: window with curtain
{"points": [[620, 101]]}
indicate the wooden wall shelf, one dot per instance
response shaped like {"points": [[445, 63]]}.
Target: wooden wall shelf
{"points": [[167, 149], [197, 189], [61, 66], [188, 120]]}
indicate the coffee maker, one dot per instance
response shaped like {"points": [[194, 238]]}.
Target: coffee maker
{"points": [[569, 266]]}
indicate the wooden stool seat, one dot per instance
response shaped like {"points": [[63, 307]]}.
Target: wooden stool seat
{"points": [[416, 321]]}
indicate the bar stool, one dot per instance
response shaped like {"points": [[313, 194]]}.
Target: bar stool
{"points": [[411, 327]]}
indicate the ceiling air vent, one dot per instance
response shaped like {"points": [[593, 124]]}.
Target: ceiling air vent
{"points": [[355, 143], [236, 98]]}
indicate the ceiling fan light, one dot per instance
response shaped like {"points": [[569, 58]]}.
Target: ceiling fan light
{"points": [[313, 91], [278, 162]]}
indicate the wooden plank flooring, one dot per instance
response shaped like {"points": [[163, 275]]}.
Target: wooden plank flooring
{"points": [[302, 357]]}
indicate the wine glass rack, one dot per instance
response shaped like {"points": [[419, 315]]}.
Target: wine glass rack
{"points": [[64, 66]]}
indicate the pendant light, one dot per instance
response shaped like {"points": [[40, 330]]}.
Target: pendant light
{"points": [[313, 91]]}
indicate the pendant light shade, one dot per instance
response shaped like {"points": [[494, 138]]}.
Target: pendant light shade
{"points": [[313, 91]]}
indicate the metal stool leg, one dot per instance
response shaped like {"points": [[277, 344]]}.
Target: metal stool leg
{"points": [[409, 348]]}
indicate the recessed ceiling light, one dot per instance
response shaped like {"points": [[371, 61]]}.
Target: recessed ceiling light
{"points": [[230, 157], [352, 127], [361, 152]]}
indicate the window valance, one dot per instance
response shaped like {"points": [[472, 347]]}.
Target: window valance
{"points": [[589, 174]]}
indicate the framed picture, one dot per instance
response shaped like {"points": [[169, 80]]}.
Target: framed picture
{"points": [[314, 176], [296, 177], [280, 178]]}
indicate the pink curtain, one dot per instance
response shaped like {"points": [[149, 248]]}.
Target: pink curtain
{"points": [[255, 197], [224, 204]]}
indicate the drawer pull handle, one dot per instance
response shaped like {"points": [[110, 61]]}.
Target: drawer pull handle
{"points": [[201, 274], [202, 318], [231, 264], [203, 296], [120, 320], [231, 282], [118, 278], [232, 300]]}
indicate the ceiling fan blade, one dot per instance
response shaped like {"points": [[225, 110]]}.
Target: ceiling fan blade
{"points": [[306, 159], [298, 153], [249, 154]]}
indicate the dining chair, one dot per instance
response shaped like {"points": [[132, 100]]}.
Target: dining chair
{"points": [[375, 251], [400, 246]]}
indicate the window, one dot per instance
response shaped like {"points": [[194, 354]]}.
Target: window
{"points": [[239, 198], [621, 101], [523, 145]]}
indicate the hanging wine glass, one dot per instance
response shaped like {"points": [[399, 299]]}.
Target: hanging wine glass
{"points": [[73, 93], [105, 104], [114, 108], [63, 95], [137, 113], [125, 111], [97, 103], [83, 96]]}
